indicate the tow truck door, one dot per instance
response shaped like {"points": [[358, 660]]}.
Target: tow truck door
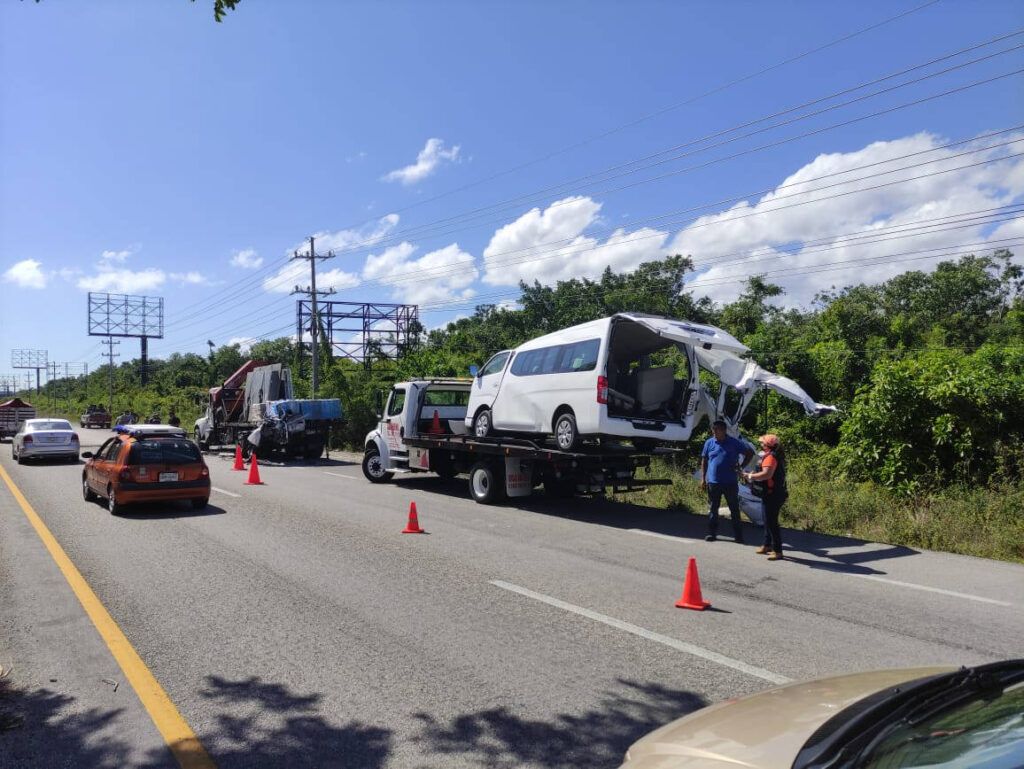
{"points": [[392, 423]]}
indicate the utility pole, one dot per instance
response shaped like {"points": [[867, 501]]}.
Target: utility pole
{"points": [[311, 292], [110, 355], [51, 383]]}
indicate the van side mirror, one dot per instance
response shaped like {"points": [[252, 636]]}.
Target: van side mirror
{"points": [[474, 370]]}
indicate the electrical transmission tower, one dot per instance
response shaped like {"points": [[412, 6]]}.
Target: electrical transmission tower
{"points": [[312, 293], [110, 355]]}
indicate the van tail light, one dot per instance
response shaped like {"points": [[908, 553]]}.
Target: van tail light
{"points": [[27, 439], [125, 475], [602, 389]]}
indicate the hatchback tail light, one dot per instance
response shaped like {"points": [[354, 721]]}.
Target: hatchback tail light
{"points": [[27, 439], [205, 472], [602, 389]]}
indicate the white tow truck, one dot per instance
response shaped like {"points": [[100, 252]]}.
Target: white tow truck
{"points": [[422, 429]]}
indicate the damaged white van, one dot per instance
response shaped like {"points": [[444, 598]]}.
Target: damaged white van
{"points": [[628, 376]]}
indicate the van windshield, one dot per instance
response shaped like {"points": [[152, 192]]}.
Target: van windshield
{"points": [[164, 451]]}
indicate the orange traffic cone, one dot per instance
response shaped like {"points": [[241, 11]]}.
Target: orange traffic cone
{"points": [[254, 472], [691, 598], [239, 465], [435, 428], [413, 526]]}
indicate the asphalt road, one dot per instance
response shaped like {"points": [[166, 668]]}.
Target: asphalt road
{"points": [[293, 625]]}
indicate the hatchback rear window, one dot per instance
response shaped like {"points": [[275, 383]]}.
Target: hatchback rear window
{"points": [[166, 451]]}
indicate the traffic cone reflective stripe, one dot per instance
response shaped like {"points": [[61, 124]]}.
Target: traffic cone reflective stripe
{"points": [[413, 526], [691, 598], [254, 472], [239, 465]]}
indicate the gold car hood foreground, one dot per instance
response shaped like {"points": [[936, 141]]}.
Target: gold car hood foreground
{"points": [[764, 730]]}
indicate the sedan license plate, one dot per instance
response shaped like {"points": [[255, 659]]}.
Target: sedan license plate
{"points": [[168, 477]]}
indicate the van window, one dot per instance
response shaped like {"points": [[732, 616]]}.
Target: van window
{"points": [[397, 402], [446, 398], [558, 359], [495, 364]]}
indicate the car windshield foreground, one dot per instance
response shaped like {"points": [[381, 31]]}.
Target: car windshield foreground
{"points": [[967, 718]]}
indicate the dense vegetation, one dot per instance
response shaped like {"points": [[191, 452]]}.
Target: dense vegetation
{"points": [[926, 368]]}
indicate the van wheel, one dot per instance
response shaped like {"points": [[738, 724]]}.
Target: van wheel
{"points": [[567, 436], [485, 485], [373, 466], [482, 423]]}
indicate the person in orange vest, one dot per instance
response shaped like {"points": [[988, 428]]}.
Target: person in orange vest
{"points": [[769, 482]]}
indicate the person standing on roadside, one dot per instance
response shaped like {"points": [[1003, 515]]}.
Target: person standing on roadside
{"points": [[720, 459], [771, 471]]}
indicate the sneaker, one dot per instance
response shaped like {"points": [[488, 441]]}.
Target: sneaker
{"points": [[776, 556], [710, 538], [763, 550]]}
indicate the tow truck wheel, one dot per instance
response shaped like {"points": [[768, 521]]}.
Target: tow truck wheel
{"points": [[199, 440], [482, 423], [373, 466], [559, 488], [567, 435], [485, 485]]}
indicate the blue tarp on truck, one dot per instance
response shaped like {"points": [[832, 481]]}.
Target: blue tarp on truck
{"points": [[322, 409]]}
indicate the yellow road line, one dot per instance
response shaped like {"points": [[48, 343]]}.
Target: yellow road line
{"points": [[178, 735]]}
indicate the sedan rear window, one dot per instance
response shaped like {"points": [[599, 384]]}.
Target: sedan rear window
{"points": [[164, 451], [56, 424]]}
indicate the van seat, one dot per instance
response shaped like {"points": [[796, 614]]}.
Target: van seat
{"points": [[654, 387]]}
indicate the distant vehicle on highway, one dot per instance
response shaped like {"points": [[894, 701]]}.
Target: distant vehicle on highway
{"points": [[95, 416], [146, 463], [13, 414], [889, 719], [44, 439], [599, 379]]}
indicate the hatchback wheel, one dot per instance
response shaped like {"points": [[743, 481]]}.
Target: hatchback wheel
{"points": [[113, 505], [87, 494]]}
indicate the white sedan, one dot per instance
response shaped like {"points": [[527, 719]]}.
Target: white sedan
{"points": [[41, 438]]}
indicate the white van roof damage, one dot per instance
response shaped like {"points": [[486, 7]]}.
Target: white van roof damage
{"points": [[719, 352]]}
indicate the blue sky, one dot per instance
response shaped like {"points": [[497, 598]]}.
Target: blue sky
{"points": [[146, 149]]}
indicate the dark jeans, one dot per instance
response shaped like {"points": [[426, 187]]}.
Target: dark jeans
{"points": [[731, 491], [772, 533]]}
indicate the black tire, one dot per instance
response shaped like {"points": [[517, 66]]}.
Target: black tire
{"points": [[482, 424], [87, 494], [199, 440], [644, 444], [113, 506], [20, 459], [200, 503], [567, 435], [559, 488], [373, 467], [485, 485], [445, 468]]}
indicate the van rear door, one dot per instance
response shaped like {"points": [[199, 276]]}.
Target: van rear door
{"points": [[696, 335]]}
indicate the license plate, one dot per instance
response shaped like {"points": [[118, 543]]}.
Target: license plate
{"points": [[168, 477]]}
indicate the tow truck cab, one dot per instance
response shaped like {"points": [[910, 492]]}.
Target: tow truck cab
{"points": [[409, 412]]}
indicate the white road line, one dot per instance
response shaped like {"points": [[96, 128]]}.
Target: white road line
{"points": [[650, 635], [229, 493], [339, 475], [912, 585], [953, 593]]}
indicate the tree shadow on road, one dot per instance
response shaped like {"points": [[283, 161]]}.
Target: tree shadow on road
{"points": [[267, 725], [501, 739], [42, 728]]}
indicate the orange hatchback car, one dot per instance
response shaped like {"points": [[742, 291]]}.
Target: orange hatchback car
{"points": [[146, 463]]}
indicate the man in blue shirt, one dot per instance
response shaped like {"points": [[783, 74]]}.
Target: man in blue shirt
{"points": [[719, 460]]}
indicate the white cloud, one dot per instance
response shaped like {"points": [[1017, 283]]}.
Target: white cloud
{"points": [[555, 237], [27, 274], [123, 281], [247, 259], [191, 278], [296, 273], [427, 161], [733, 234], [440, 275], [115, 256]]}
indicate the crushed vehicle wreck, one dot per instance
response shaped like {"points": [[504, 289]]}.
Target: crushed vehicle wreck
{"points": [[629, 376]]}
